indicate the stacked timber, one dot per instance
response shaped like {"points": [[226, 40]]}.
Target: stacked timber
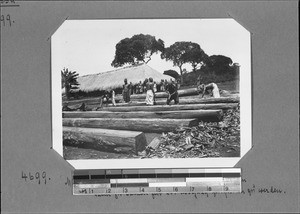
{"points": [[121, 128]]}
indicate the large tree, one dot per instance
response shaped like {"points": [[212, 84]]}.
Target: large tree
{"points": [[219, 64], [195, 56], [137, 49], [69, 80], [184, 52]]}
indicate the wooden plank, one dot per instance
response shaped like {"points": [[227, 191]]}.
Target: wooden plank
{"points": [[180, 107], [105, 139], [135, 124], [154, 143], [203, 115]]}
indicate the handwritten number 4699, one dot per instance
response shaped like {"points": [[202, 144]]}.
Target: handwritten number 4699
{"points": [[35, 176]]}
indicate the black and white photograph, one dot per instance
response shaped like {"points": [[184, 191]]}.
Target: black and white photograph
{"points": [[151, 89], [149, 106]]}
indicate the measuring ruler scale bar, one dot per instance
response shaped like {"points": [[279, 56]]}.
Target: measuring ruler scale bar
{"points": [[211, 184], [141, 181]]}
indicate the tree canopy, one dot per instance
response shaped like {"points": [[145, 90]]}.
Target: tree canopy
{"points": [[184, 52], [219, 63], [69, 80], [139, 48], [195, 56]]}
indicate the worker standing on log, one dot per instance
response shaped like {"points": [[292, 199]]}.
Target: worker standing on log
{"points": [[144, 85], [150, 92], [171, 89], [113, 97], [162, 85], [126, 91]]}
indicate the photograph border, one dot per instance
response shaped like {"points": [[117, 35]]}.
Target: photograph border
{"points": [[245, 94]]}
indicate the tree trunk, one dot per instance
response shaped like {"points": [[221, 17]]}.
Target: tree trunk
{"points": [[181, 93], [194, 67], [181, 76], [67, 87], [203, 115], [136, 124], [210, 106], [184, 100], [104, 139]]}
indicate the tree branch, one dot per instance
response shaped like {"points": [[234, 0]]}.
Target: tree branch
{"points": [[148, 59]]}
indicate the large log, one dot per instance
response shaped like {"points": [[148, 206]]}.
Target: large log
{"points": [[196, 98], [88, 101], [181, 93], [135, 124], [184, 100], [203, 115], [105, 139], [212, 106], [185, 96]]}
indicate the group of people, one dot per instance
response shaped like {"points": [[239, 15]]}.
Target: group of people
{"points": [[150, 87], [141, 87]]}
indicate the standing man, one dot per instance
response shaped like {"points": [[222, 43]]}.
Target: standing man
{"points": [[126, 91], [162, 85], [171, 89], [150, 92], [131, 88], [113, 97], [140, 87]]}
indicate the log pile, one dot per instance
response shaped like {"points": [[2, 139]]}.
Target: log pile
{"points": [[121, 128]]}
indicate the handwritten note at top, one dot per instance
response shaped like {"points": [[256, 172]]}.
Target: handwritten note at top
{"points": [[6, 19]]}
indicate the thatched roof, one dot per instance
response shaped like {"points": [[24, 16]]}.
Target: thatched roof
{"points": [[115, 78]]}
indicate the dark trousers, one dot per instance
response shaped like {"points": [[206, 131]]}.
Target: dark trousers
{"points": [[174, 97]]}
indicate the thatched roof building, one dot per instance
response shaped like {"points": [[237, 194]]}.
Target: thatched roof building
{"points": [[115, 78]]}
